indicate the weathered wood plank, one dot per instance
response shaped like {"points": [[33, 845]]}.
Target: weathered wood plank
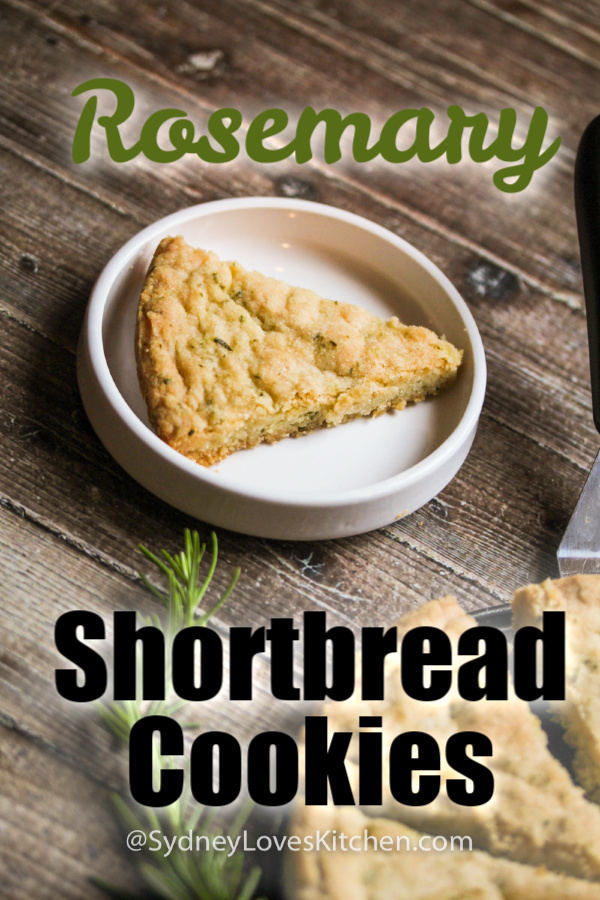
{"points": [[571, 27], [58, 830], [577, 15], [530, 40], [544, 246]]}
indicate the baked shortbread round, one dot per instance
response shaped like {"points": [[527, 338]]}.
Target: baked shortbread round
{"points": [[579, 598], [410, 868], [228, 359], [537, 815]]}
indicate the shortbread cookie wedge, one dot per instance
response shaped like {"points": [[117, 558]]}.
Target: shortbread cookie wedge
{"points": [[228, 359], [579, 598], [536, 815], [394, 862]]}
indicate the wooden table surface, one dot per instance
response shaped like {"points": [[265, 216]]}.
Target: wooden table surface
{"points": [[71, 519]]}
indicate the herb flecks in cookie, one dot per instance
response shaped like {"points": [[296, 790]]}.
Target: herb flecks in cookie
{"points": [[228, 359]]}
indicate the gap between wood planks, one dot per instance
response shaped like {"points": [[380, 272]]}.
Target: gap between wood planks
{"points": [[561, 19], [516, 22], [570, 299], [58, 830], [341, 38], [289, 14], [405, 541]]}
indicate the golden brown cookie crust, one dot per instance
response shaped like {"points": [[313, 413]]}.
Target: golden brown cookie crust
{"points": [[579, 598], [537, 815], [410, 874], [228, 359]]}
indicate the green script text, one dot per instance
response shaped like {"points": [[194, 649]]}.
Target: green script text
{"points": [[222, 144]]}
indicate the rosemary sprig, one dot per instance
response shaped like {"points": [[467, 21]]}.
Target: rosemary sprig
{"points": [[210, 874], [185, 592]]}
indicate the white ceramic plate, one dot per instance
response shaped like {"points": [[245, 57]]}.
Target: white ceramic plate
{"points": [[329, 483]]}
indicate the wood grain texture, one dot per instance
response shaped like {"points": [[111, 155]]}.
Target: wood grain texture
{"points": [[292, 55], [71, 519], [569, 27], [58, 831]]}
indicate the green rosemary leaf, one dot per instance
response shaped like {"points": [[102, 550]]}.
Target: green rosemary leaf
{"points": [[248, 888], [204, 619], [154, 590], [163, 883], [173, 563], [126, 814], [211, 571], [155, 559]]}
